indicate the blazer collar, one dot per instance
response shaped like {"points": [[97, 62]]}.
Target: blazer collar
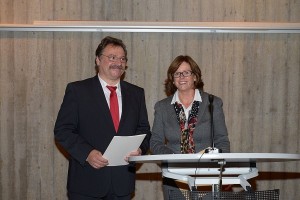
{"points": [[101, 103], [125, 103], [203, 105]]}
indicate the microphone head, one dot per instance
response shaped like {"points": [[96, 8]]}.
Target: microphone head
{"points": [[212, 150], [210, 98]]}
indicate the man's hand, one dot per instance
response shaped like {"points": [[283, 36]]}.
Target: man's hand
{"points": [[96, 160], [137, 152]]}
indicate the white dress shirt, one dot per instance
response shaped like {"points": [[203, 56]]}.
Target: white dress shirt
{"points": [[107, 94]]}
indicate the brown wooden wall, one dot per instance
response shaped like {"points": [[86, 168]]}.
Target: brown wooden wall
{"points": [[256, 75]]}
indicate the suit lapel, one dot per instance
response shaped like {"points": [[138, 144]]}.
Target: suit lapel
{"points": [[171, 114], [125, 103], [101, 103], [203, 105]]}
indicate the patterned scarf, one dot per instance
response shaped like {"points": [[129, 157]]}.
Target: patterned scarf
{"points": [[187, 144]]}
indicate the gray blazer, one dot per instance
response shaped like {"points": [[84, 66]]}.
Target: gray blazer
{"points": [[166, 132]]}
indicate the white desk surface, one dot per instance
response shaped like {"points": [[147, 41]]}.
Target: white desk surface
{"points": [[214, 157]]}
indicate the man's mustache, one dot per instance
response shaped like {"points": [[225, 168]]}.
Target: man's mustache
{"points": [[120, 67]]}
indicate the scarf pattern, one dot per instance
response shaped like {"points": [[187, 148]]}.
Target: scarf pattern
{"points": [[187, 144]]}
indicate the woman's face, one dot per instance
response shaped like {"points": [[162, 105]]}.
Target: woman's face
{"points": [[184, 78]]}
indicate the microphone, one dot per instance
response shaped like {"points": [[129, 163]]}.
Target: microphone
{"points": [[211, 110], [217, 187], [212, 149]]}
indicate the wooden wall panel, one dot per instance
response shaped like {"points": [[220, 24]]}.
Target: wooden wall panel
{"points": [[6, 116], [256, 75]]}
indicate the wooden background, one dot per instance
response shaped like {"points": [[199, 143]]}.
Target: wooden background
{"points": [[256, 75]]}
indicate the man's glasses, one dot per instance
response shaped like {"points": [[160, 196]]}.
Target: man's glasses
{"points": [[114, 58], [184, 74]]}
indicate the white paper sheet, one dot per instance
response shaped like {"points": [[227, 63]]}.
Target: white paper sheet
{"points": [[120, 146]]}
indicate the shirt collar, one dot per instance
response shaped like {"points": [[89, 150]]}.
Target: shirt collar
{"points": [[104, 84], [197, 97]]}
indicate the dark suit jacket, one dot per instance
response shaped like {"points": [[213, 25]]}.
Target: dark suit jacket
{"points": [[84, 123], [166, 128]]}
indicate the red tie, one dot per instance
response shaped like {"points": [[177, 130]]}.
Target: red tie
{"points": [[114, 106]]}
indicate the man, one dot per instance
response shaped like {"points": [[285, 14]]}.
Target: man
{"points": [[85, 126]]}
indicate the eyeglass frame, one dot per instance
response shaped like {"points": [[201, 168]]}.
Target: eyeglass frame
{"points": [[114, 58], [179, 74]]}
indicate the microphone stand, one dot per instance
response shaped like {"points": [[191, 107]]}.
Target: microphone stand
{"points": [[213, 149]]}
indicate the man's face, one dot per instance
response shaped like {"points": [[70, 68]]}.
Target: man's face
{"points": [[111, 63]]}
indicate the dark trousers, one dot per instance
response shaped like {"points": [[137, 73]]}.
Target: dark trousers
{"points": [[109, 196]]}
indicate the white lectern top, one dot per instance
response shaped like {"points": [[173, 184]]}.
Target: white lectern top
{"points": [[215, 157]]}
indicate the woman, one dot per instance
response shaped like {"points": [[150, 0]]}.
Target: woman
{"points": [[182, 121]]}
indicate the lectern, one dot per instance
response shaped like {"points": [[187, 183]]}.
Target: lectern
{"points": [[213, 168]]}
